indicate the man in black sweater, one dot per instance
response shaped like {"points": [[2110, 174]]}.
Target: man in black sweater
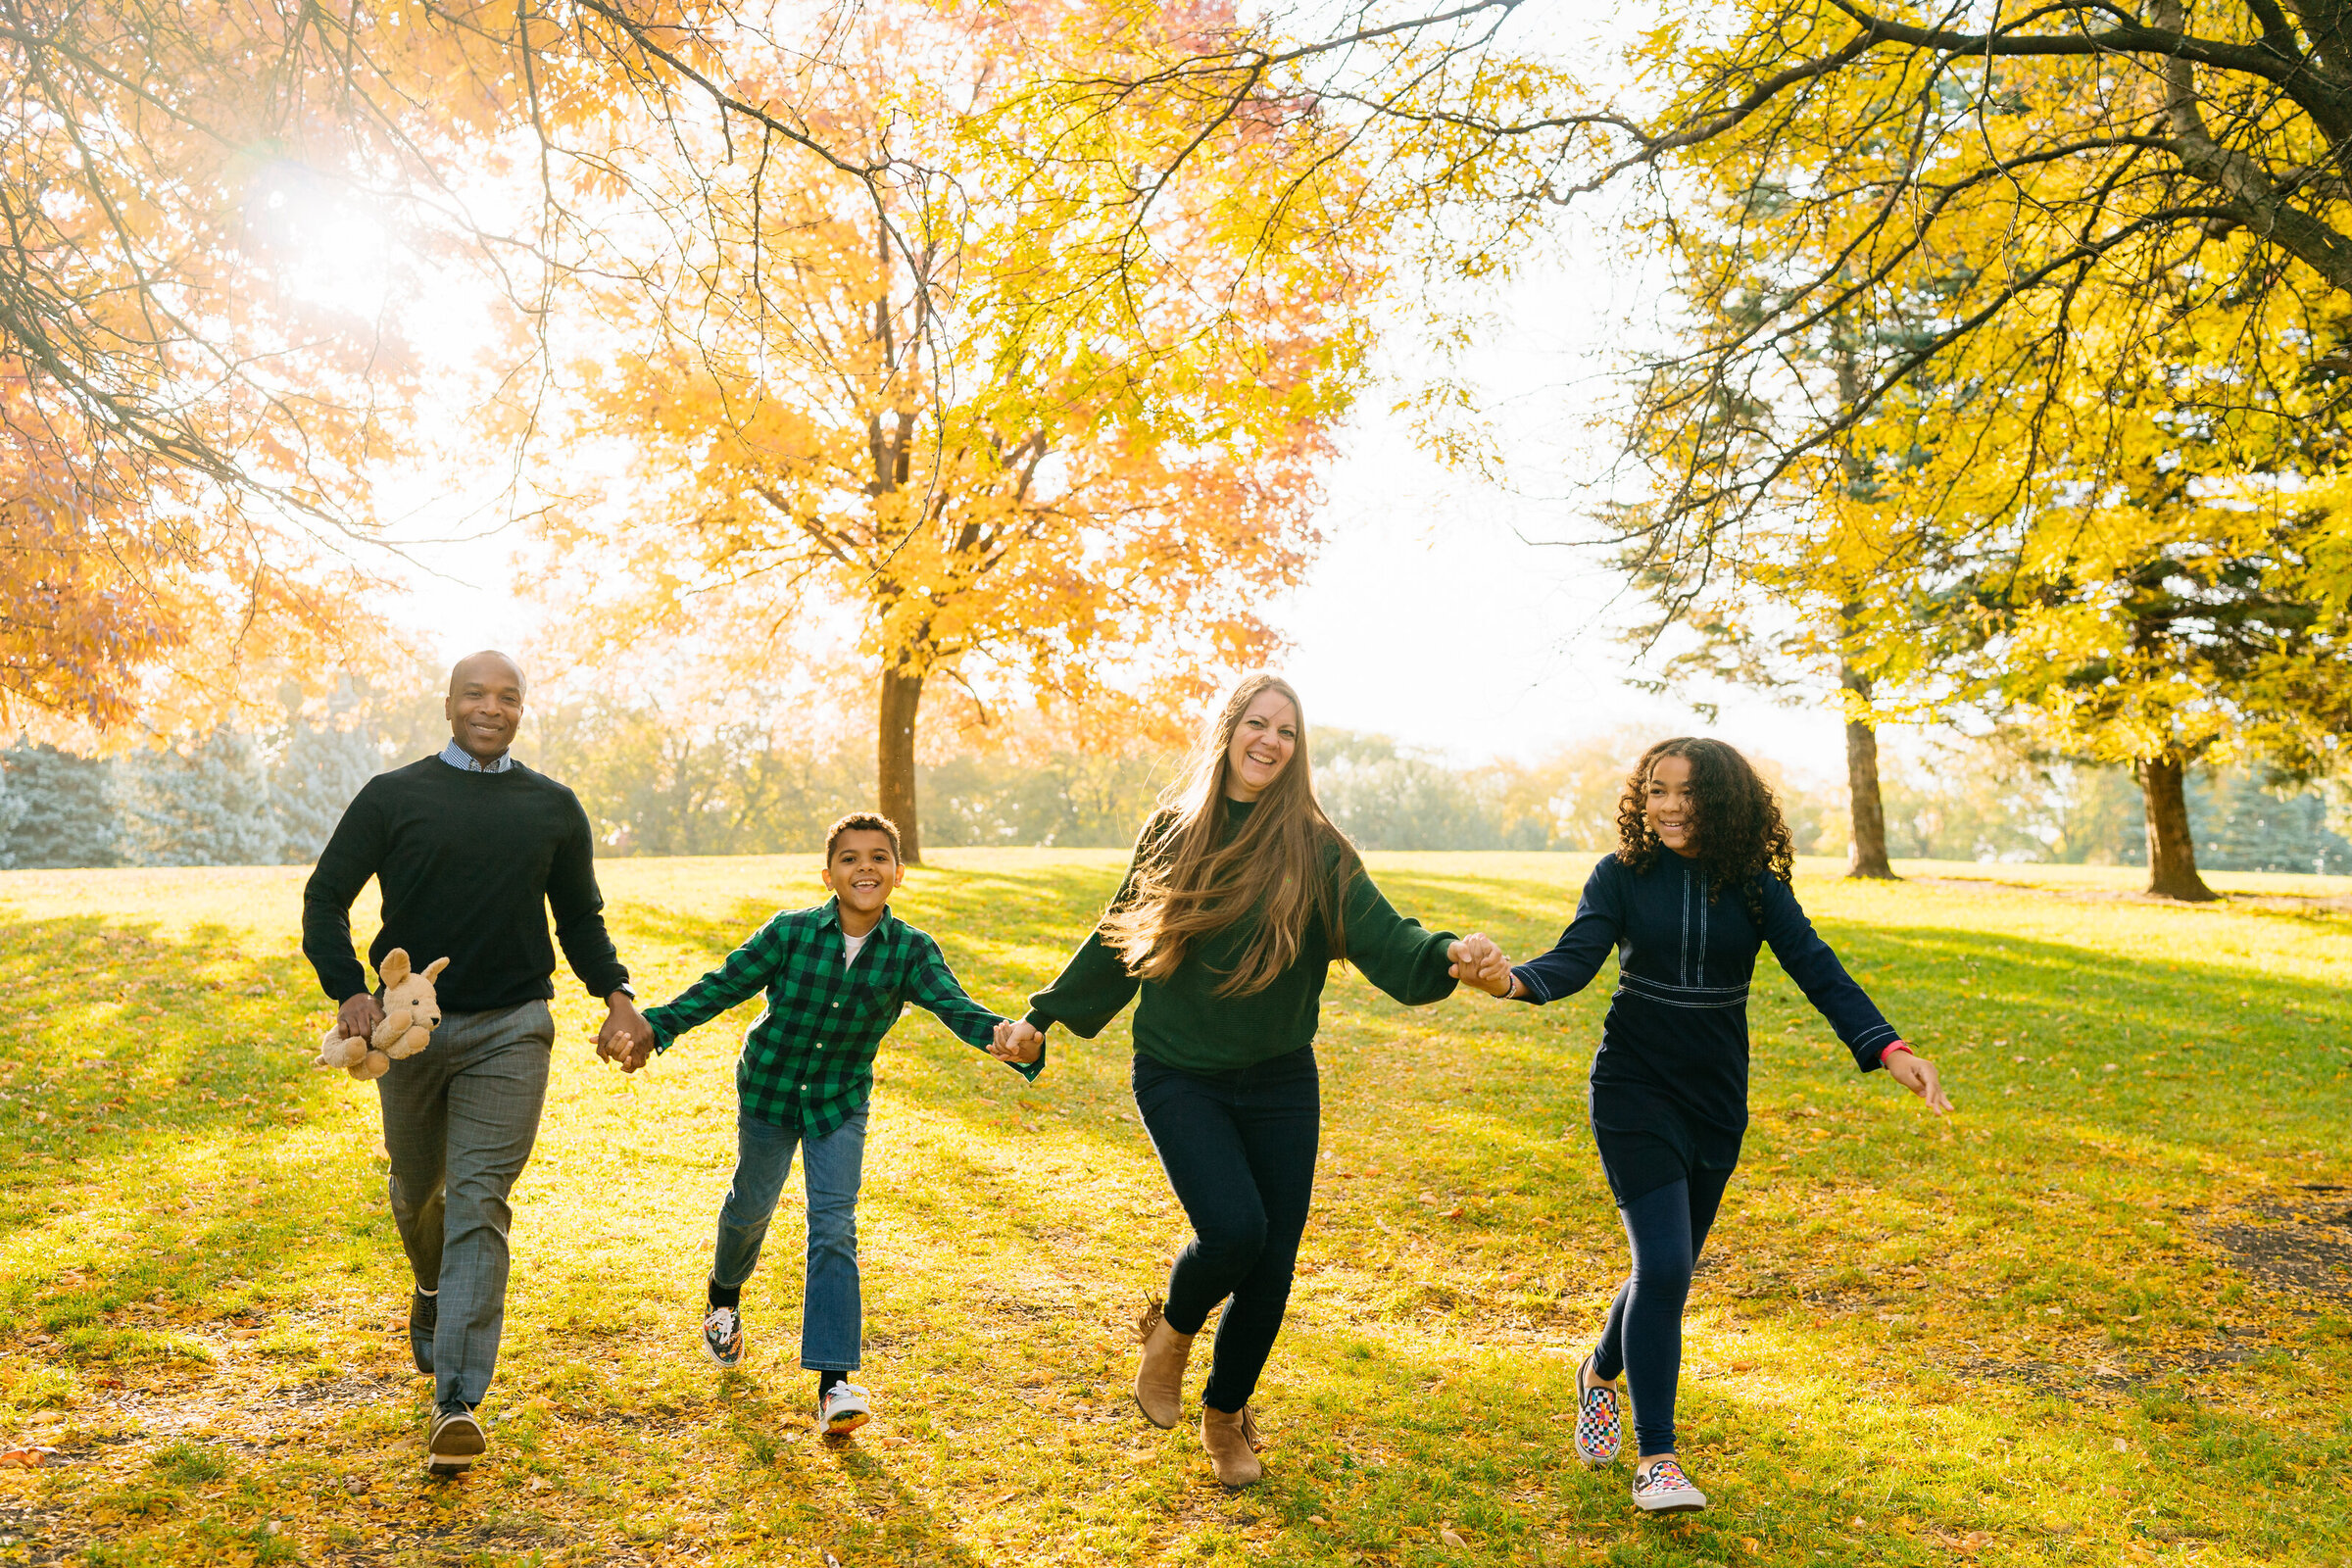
{"points": [[471, 849]]}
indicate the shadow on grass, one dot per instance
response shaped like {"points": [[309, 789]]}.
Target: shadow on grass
{"points": [[1793, 1466], [880, 1517], [1412, 1394], [165, 1130]]}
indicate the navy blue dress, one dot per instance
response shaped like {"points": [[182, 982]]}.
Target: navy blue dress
{"points": [[1670, 1080]]}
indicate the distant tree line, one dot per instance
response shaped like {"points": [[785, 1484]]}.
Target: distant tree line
{"points": [[1979, 803], [654, 788], [226, 797]]}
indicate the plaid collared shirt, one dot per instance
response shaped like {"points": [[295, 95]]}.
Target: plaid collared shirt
{"points": [[809, 1059]]}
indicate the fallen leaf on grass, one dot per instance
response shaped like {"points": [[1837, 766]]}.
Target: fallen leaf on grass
{"points": [[1446, 1535], [26, 1458], [1317, 1519]]}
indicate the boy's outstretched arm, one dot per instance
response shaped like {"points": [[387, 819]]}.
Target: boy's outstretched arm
{"points": [[932, 986], [744, 975]]}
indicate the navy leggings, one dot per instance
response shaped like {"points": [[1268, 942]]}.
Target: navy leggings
{"points": [[1239, 1149], [1644, 1337]]}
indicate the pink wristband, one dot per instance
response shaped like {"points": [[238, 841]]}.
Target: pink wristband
{"points": [[1891, 1049]]}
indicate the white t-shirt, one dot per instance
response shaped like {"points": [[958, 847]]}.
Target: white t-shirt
{"points": [[849, 947]]}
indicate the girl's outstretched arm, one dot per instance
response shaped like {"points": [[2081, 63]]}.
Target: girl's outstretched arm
{"points": [[1837, 996], [1583, 947]]}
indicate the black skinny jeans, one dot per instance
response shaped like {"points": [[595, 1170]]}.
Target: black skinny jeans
{"points": [[1239, 1149], [1643, 1335]]}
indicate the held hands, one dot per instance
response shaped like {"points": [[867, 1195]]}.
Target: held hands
{"points": [[1478, 962], [1017, 1041], [625, 1037], [1917, 1075]]}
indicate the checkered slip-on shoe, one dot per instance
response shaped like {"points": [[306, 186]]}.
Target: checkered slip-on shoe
{"points": [[1660, 1487], [722, 1338], [1599, 1426]]}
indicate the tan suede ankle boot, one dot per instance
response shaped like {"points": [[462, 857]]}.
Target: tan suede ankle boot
{"points": [[1231, 1443], [1159, 1379]]}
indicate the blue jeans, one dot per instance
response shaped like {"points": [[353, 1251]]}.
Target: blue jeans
{"points": [[832, 1317], [1239, 1149], [460, 1119]]}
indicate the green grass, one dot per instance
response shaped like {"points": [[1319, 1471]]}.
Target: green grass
{"points": [[2020, 1337]]}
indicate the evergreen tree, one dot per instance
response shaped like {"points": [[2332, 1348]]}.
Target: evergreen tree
{"points": [[2246, 827], [320, 770], [56, 809], [208, 803]]}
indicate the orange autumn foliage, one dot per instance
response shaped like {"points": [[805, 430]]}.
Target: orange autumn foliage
{"points": [[910, 406], [194, 403]]}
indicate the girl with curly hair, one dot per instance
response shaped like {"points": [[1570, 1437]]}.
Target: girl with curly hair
{"points": [[1698, 884]]}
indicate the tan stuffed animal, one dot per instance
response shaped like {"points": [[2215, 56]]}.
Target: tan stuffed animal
{"points": [[410, 1015]]}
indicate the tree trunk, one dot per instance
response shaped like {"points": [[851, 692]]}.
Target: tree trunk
{"points": [[1866, 854], [902, 696], [2172, 848]]}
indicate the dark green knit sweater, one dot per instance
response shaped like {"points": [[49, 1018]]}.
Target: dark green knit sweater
{"points": [[1183, 1024]]}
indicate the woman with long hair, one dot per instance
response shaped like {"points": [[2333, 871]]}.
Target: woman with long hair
{"points": [[1698, 884], [1240, 897]]}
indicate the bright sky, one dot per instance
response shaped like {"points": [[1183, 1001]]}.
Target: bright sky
{"points": [[1457, 613], [1429, 619]]}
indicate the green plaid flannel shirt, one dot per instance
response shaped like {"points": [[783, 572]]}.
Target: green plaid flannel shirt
{"points": [[807, 1060]]}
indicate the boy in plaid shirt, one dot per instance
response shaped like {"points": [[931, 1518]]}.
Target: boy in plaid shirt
{"points": [[837, 976]]}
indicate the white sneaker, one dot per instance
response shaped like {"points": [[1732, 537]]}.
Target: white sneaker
{"points": [[844, 1409], [1660, 1487]]}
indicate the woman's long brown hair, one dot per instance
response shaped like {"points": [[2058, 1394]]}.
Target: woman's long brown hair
{"points": [[1191, 882], [1734, 817]]}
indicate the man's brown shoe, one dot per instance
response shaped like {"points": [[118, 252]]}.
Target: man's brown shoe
{"points": [[1159, 1379], [1231, 1443]]}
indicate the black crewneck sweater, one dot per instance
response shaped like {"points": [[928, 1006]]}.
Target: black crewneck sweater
{"points": [[469, 864]]}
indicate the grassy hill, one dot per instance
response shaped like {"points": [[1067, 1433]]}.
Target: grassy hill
{"points": [[2099, 1317]]}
